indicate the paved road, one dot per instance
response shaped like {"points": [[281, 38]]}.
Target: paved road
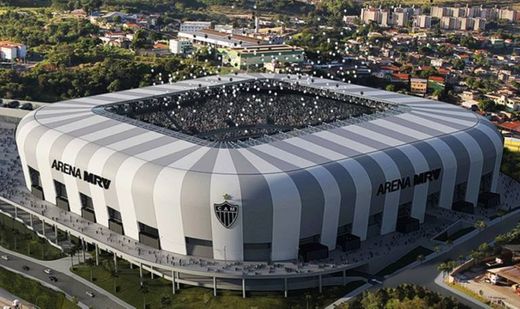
{"points": [[426, 273], [65, 282]]}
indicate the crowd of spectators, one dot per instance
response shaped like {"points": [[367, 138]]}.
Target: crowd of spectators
{"points": [[246, 110]]}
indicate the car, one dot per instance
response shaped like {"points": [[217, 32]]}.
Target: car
{"points": [[26, 268], [89, 293], [4, 257], [47, 271], [12, 104], [27, 106], [375, 281], [53, 279]]}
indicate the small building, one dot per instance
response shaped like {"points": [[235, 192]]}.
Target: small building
{"points": [[194, 26], [181, 47], [219, 39], [419, 85], [259, 55], [11, 51]]}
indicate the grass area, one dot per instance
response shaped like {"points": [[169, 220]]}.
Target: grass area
{"points": [[458, 234], [17, 237], [469, 292], [406, 259], [158, 292], [33, 292]]}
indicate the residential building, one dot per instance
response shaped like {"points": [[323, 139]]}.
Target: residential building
{"points": [[259, 55], [400, 19], [194, 26], [11, 51], [479, 24], [423, 21], [369, 15], [182, 47], [419, 85], [220, 39], [507, 14], [439, 11]]}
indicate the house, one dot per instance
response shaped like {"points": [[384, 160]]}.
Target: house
{"points": [[400, 78], [11, 51], [438, 62], [419, 85]]}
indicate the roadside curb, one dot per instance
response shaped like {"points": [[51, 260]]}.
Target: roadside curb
{"points": [[440, 282]]}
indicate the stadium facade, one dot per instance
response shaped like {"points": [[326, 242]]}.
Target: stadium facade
{"points": [[262, 197]]}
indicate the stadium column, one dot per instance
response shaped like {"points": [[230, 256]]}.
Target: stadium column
{"points": [[70, 152], [497, 142], [125, 177], [448, 172], [362, 199], [226, 230], [391, 199], [286, 204], [23, 136], [43, 150], [475, 167], [420, 193]]}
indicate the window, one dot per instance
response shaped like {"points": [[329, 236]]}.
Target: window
{"points": [[148, 230], [87, 207], [86, 202], [114, 215], [34, 175], [61, 190]]}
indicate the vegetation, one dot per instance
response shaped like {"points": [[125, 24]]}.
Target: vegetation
{"points": [[403, 296], [33, 292], [416, 254], [511, 237], [75, 64], [17, 237], [447, 266], [157, 293], [470, 293], [511, 164]]}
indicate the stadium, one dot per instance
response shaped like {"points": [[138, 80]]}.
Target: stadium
{"points": [[254, 169]]}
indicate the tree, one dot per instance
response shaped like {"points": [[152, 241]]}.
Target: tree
{"points": [[140, 40], [390, 87], [480, 224], [487, 105]]}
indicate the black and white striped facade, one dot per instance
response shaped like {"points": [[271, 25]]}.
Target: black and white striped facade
{"points": [[306, 186]]}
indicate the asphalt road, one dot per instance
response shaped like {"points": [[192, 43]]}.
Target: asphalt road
{"points": [[425, 274], [65, 283]]}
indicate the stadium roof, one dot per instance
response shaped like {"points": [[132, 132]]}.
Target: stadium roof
{"points": [[420, 119]]}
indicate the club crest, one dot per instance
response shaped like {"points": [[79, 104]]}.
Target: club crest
{"points": [[226, 213]]}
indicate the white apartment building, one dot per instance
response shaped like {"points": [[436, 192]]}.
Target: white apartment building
{"points": [[180, 47], [194, 26]]}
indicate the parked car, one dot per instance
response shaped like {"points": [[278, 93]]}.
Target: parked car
{"points": [[89, 293], [27, 106], [47, 271], [4, 257], [12, 104]]}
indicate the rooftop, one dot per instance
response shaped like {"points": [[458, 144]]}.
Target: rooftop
{"points": [[246, 110]]}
